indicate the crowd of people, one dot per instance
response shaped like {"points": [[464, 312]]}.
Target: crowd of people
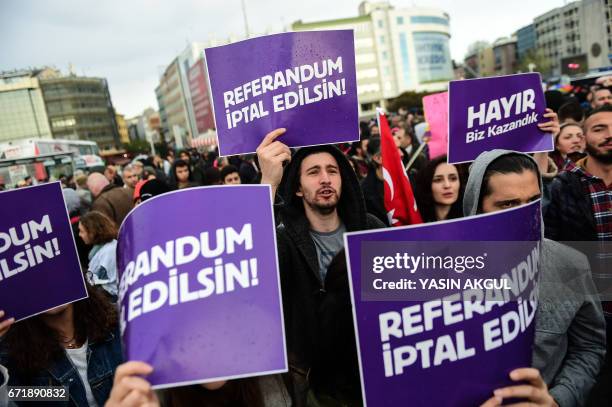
{"points": [[321, 192]]}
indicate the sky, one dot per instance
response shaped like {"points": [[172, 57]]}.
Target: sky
{"points": [[130, 42]]}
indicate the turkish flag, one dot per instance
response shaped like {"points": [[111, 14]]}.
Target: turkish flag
{"points": [[399, 199]]}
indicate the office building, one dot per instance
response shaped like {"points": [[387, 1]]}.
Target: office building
{"points": [[43, 103], [122, 129], [146, 126], [171, 98], [576, 36], [80, 108], [22, 107], [200, 99], [505, 56], [525, 40], [396, 50]]}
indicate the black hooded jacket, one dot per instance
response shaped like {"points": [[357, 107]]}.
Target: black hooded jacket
{"points": [[374, 195], [307, 302], [569, 215]]}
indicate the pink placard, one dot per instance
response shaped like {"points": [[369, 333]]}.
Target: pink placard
{"points": [[436, 114]]}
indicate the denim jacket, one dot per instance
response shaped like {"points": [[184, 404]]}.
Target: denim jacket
{"points": [[102, 360]]}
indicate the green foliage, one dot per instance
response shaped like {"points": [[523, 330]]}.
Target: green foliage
{"points": [[408, 100], [137, 147], [162, 149], [541, 62]]}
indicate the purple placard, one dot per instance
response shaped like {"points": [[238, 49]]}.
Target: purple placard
{"points": [[39, 264], [471, 378], [401, 272], [302, 81], [498, 112], [199, 288]]}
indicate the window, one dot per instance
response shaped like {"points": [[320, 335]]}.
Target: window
{"points": [[361, 59], [380, 23], [405, 59], [385, 55], [63, 122], [432, 57], [361, 43], [368, 88], [382, 39], [367, 73], [400, 20], [428, 20]]}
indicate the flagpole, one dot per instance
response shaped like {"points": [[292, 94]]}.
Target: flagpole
{"points": [[416, 153], [379, 111]]}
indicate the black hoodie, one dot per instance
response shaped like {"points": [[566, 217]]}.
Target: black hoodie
{"points": [[306, 300]]}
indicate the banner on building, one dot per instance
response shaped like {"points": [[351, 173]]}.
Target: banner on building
{"points": [[497, 112], [39, 263], [302, 81], [199, 288]]}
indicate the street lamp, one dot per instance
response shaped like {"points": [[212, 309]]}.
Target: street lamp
{"points": [[246, 21]]}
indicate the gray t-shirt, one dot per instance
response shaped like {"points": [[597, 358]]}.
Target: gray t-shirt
{"points": [[328, 245]]}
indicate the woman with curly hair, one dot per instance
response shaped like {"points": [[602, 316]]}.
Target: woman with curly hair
{"points": [[97, 229], [76, 346]]}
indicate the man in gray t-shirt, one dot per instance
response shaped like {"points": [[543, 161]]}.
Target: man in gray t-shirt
{"points": [[327, 245]]}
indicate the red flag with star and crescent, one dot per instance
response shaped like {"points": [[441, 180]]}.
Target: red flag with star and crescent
{"points": [[399, 199]]}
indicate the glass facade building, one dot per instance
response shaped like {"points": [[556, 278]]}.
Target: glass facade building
{"points": [[396, 50], [41, 103], [22, 109], [434, 62], [80, 109], [525, 40]]}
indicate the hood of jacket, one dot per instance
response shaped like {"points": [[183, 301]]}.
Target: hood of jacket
{"points": [[478, 169], [351, 205]]}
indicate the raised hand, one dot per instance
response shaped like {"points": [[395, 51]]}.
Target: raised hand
{"points": [[5, 324], [535, 392], [272, 154], [131, 390], [551, 126]]}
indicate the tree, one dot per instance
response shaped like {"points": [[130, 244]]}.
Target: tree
{"points": [[477, 46], [538, 61], [407, 100], [137, 147]]}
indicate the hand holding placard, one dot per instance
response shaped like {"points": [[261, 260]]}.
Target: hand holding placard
{"points": [[497, 112], [272, 154], [303, 81], [37, 252], [130, 389], [535, 390], [552, 126], [409, 339], [5, 325], [199, 288]]}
